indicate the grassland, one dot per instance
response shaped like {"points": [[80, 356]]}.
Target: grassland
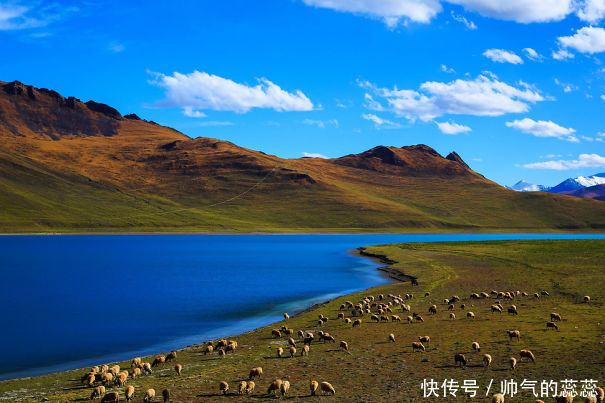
{"points": [[377, 370]]}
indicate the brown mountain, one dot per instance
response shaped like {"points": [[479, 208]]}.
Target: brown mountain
{"points": [[66, 165], [596, 192]]}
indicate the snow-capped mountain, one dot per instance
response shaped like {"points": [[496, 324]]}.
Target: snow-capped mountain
{"points": [[578, 183], [523, 186]]}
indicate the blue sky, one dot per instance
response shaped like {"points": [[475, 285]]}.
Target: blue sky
{"points": [[516, 87]]}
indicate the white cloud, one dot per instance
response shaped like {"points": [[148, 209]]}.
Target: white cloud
{"points": [[587, 138], [542, 128], [566, 87], [215, 123], [524, 11], [15, 16], [116, 47], [187, 111], [392, 12], [452, 128], [483, 96], [502, 56], [314, 155], [462, 19], [592, 11], [583, 161], [562, 54], [380, 123], [585, 40], [201, 91], [603, 97], [320, 123], [446, 69], [532, 54]]}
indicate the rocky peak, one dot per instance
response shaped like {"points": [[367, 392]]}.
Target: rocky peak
{"points": [[453, 156]]}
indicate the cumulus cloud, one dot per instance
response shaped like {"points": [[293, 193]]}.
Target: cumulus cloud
{"points": [[583, 161], [392, 12], [585, 40], [380, 123], [543, 128], [562, 54], [314, 155], [452, 128], [592, 11], [321, 123], [502, 56], [532, 54], [483, 96], [523, 11], [463, 20], [202, 91]]}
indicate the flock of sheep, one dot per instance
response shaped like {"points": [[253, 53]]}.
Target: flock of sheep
{"points": [[379, 309]]}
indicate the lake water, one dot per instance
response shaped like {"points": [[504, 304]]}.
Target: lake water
{"points": [[72, 301]]}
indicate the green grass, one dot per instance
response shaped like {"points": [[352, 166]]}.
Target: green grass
{"points": [[380, 371]]}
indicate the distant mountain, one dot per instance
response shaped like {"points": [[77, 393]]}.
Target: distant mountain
{"points": [[596, 192], [71, 166], [523, 186], [580, 182]]}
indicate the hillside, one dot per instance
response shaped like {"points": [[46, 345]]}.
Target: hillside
{"points": [[596, 192], [67, 166]]}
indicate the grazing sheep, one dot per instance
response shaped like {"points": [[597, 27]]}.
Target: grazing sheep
{"points": [[487, 360], [94, 369], [433, 309], [406, 308], [462, 306], [223, 387], [274, 387], [304, 350], [564, 398], [545, 293], [209, 349], [286, 316], [171, 356], [106, 378], [536, 295], [166, 395], [452, 316], [450, 307], [426, 294], [135, 363], [121, 378], [392, 337], [514, 334], [395, 318], [136, 373], [384, 318], [347, 320], [104, 368], [419, 318], [221, 343], [474, 296], [590, 399], [555, 317], [111, 397], [250, 387], [313, 386], [147, 368], [496, 308], [498, 398], [341, 315], [280, 352], [513, 362], [410, 319], [425, 339], [292, 351], [255, 372], [242, 387], [552, 324], [97, 392], [149, 395], [326, 337], [357, 322], [587, 298], [513, 310], [90, 379], [179, 369], [284, 387], [470, 315], [158, 360], [344, 345], [221, 353], [129, 392], [300, 333], [475, 346], [327, 388], [527, 354], [275, 333], [460, 359], [115, 370], [417, 346], [600, 394]]}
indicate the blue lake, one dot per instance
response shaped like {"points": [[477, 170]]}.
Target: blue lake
{"points": [[72, 301]]}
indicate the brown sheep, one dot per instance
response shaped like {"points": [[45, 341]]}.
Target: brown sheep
{"points": [[250, 387], [292, 351], [496, 308], [166, 395], [498, 398], [171, 356], [222, 353], [304, 350], [286, 316], [452, 316], [487, 360], [555, 317], [90, 380], [275, 333], [111, 397], [158, 360], [135, 363], [242, 387], [274, 387], [514, 334], [284, 387], [115, 370], [552, 325], [433, 309], [513, 362], [418, 346], [179, 369], [97, 392], [280, 352], [527, 354], [223, 387], [392, 337], [121, 379], [129, 392], [209, 349], [600, 394], [136, 373], [460, 359], [470, 315], [357, 322], [419, 318], [255, 372], [147, 368], [327, 388], [149, 395], [220, 343], [313, 386], [106, 378], [410, 319], [564, 399], [425, 339], [104, 368], [395, 318]]}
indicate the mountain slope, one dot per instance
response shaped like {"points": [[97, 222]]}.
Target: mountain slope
{"points": [[580, 182], [596, 192], [66, 165], [523, 186]]}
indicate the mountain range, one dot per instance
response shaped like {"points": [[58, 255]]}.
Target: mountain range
{"points": [[73, 166], [581, 186]]}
